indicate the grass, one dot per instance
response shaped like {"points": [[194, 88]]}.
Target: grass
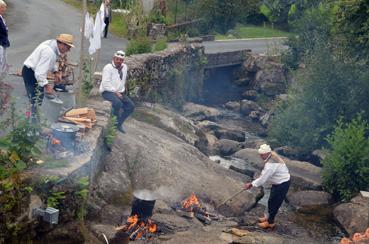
{"points": [[241, 31], [118, 27]]}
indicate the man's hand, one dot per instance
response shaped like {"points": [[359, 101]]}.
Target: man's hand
{"points": [[248, 185], [48, 88], [119, 94], [57, 77]]}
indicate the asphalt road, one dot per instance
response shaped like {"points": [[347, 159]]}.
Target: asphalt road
{"points": [[31, 22]]}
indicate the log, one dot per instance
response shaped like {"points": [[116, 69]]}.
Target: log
{"points": [[76, 112]]}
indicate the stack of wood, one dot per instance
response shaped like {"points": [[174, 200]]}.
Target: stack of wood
{"points": [[81, 116]]}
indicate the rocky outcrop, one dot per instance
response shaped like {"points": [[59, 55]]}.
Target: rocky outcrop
{"points": [[303, 175], [200, 112], [353, 216], [311, 201], [151, 158]]}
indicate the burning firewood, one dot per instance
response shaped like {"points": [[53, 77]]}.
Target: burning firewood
{"points": [[191, 207], [138, 228]]}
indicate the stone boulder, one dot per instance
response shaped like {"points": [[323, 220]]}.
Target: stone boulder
{"points": [[208, 144], [232, 105], [303, 174], [228, 147], [169, 121], [230, 134], [153, 159], [248, 106], [354, 215], [311, 201], [250, 95], [200, 112]]}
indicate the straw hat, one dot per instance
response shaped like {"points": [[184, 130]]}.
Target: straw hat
{"points": [[264, 148], [66, 39]]}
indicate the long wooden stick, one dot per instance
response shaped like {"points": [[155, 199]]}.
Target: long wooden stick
{"points": [[231, 197]]}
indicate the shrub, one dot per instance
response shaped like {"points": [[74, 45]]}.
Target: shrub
{"points": [[139, 45], [160, 45], [346, 167]]}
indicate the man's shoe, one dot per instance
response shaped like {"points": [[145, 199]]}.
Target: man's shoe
{"points": [[266, 225], [263, 219], [120, 128]]}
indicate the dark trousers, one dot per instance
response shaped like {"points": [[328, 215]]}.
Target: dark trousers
{"points": [[35, 93], [106, 21], [124, 103], [277, 195]]}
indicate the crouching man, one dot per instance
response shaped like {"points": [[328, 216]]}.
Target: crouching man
{"points": [[113, 86], [276, 173]]}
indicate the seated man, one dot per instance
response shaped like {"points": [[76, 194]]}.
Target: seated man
{"points": [[112, 88]]}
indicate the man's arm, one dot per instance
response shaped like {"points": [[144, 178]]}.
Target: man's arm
{"points": [[42, 68]]}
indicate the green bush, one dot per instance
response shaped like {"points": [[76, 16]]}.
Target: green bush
{"points": [[346, 167], [160, 45], [139, 45]]}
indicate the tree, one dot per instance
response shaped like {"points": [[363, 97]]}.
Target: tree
{"points": [[352, 27], [346, 167], [330, 87]]}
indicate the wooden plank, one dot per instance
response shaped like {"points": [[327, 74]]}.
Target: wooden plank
{"points": [[76, 111]]}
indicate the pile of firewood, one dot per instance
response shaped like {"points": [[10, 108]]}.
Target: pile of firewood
{"points": [[81, 116]]}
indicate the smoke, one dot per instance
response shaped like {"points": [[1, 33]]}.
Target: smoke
{"points": [[163, 193]]}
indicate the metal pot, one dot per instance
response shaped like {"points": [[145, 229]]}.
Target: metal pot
{"points": [[143, 204], [66, 133]]}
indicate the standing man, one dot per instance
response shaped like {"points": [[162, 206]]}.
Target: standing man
{"points": [[4, 41], [276, 173], [112, 88], [41, 61], [107, 16]]}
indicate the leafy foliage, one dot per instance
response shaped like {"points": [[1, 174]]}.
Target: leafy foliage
{"points": [[329, 88], [111, 131], [139, 45], [346, 167], [19, 148]]}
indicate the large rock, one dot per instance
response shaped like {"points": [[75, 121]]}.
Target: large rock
{"points": [[353, 216], [228, 147], [151, 158], [303, 175], [248, 106], [311, 201], [169, 121], [200, 112], [208, 144]]}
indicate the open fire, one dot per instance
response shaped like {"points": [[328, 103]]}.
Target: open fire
{"points": [[191, 207], [138, 228]]}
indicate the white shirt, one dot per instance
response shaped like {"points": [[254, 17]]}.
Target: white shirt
{"points": [[274, 173], [111, 80], [42, 60]]}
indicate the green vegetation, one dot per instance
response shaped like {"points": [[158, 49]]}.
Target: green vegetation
{"points": [[139, 45], [160, 45], [82, 196], [87, 77], [111, 131], [119, 25], [346, 167], [241, 31]]}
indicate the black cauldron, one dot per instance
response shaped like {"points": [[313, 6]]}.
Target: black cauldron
{"points": [[66, 133], [143, 204]]}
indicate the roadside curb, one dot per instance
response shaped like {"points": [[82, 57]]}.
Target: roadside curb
{"points": [[251, 39]]}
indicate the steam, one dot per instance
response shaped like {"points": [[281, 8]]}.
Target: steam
{"points": [[162, 193]]}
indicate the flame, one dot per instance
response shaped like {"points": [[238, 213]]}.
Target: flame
{"points": [[132, 221], [191, 202], [55, 141], [138, 228]]}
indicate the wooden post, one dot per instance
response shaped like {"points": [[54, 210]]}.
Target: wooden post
{"points": [[78, 88]]}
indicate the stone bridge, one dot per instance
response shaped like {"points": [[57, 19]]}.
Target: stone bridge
{"points": [[224, 59]]}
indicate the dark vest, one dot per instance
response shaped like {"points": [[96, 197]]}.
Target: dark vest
{"points": [[4, 41]]}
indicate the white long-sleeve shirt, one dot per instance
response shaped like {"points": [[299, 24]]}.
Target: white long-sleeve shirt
{"points": [[111, 80], [274, 173], [42, 60]]}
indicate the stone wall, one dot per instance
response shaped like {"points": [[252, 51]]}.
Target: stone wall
{"points": [[171, 76]]}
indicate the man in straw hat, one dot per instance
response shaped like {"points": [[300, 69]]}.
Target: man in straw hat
{"points": [[41, 61], [113, 86], [276, 173]]}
